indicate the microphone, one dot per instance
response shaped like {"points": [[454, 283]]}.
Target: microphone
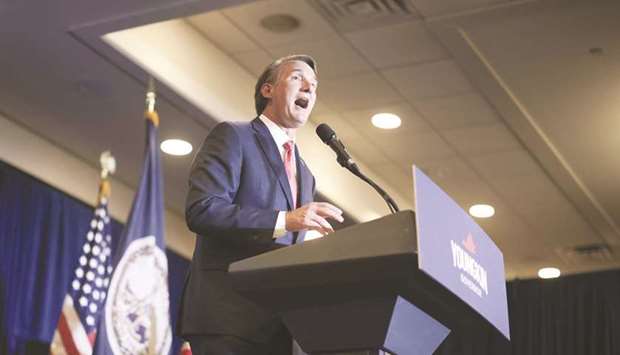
{"points": [[328, 136]]}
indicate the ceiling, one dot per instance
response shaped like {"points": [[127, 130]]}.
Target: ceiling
{"points": [[502, 102]]}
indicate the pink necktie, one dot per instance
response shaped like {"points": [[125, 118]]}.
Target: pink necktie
{"points": [[289, 166]]}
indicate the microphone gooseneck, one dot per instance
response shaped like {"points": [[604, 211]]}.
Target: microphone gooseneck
{"points": [[328, 136]]}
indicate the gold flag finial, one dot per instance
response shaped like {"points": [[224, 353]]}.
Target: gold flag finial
{"points": [[108, 167], [150, 113]]}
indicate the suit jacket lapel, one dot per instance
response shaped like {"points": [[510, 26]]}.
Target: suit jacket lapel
{"points": [[272, 153]]}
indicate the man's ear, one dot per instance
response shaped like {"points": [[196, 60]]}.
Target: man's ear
{"points": [[267, 90]]}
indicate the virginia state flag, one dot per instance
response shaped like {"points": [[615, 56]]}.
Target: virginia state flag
{"points": [[135, 318]]}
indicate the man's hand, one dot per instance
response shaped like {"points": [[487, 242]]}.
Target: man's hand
{"points": [[313, 216]]}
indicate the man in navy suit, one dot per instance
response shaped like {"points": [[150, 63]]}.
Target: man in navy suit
{"points": [[250, 192]]}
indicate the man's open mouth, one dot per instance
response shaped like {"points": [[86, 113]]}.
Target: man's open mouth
{"points": [[302, 102]]}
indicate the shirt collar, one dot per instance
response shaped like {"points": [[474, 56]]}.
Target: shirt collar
{"points": [[278, 134]]}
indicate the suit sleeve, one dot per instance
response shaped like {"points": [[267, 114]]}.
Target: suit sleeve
{"points": [[213, 184]]}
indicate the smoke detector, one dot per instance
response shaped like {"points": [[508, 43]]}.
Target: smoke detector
{"points": [[280, 23]]}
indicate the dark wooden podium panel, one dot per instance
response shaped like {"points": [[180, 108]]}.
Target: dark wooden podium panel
{"points": [[344, 292]]}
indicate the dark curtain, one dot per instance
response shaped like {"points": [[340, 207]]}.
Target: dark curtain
{"points": [[41, 233], [571, 315]]}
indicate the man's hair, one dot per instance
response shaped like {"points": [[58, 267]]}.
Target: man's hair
{"points": [[270, 74]]}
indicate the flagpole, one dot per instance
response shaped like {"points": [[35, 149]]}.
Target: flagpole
{"points": [[151, 96]]}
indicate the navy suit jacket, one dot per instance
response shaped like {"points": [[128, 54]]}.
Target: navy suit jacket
{"points": [[237, 186]]}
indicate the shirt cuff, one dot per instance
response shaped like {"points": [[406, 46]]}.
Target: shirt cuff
{"points": [[280, 228]]}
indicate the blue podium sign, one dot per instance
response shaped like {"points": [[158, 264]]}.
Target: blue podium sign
{"points": [[457, 253]]}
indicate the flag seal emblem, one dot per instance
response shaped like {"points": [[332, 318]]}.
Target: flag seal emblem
{"points": [[137, 305]]}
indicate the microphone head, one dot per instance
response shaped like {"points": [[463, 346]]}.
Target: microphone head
{"points": [[325, 132]]}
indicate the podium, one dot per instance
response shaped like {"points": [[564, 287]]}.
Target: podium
{"points": [[361, 289]]}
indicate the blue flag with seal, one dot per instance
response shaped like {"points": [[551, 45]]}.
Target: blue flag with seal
{"points": [[136, 316]]}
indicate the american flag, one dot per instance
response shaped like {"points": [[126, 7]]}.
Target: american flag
{"points": [[185, 349], [77, 325]]}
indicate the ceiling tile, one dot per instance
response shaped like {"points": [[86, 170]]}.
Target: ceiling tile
{"points": [[254, 61], [503, 165], [562, 226], [482, 139], [219, 30], [408, 149], [411, 122], [335, 57], [543, 206], [428, 80], [398, 44], [248, 17], [547, 210], [456, 111], [357, 92], [454, 169], [430, 8], [529, 191]]}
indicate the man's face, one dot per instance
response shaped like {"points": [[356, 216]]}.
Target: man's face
{"points": [[292, 95]]}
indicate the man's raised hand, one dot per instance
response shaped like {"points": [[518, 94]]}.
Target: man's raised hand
{"points": [[313, 216]]}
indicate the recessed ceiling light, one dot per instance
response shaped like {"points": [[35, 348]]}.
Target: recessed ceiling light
{"points": [[549, 273], [176, 147], [482, 211], [385, 120]]}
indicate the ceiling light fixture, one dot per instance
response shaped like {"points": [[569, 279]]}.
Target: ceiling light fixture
{"points": [[385, 120], [549, 273], [176, 147], [280, 23], [482, 210]]}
